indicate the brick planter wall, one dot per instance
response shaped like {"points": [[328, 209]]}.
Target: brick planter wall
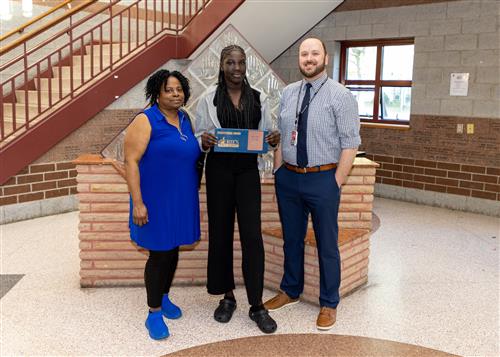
{"points": [[109, 258], [354, 246]]}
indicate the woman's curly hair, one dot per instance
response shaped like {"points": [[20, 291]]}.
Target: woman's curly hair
{"points": [[160, 78]]}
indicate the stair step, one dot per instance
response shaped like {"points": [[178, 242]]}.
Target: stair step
{"points": [[65, 72], [8, 127], [33, 96], [86, 59], [44, 84], [106, 48], [20, 110]]}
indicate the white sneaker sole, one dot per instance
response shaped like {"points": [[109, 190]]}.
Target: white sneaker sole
{"points": [[286, 305], [325, 328]]}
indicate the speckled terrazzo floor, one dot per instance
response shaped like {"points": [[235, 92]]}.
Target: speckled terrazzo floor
{"points": [[433, 282]]}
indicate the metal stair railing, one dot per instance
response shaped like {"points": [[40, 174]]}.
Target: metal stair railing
{"points": [[56, 70], [34, 20]]}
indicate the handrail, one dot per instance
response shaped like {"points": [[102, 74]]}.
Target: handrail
{"points": [[56, 35], [65, 71], [51, 92], [45, 27], [21, 28]]}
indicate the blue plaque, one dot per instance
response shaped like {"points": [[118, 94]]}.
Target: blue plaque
{"points": [[241, 141]]}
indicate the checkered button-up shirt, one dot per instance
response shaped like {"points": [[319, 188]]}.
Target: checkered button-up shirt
{"points": [[332, 124]]}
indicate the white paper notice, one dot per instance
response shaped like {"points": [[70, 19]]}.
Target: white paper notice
{"points": [[459, 84]]}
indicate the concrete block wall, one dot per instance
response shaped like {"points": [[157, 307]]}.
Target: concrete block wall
{"points": [[455, 36], [109, 258], [450, 36]]}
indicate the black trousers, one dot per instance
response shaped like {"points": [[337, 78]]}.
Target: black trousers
{"points": [[233, 186], [159, 273]]}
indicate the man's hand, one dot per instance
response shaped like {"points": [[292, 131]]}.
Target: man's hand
{"points": [[273, 138], [344, 165], [208, 140], [140, 214], [340, 180]]}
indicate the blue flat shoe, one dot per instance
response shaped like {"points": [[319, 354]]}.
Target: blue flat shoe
{"points": [[169, 309], [157, 328]]}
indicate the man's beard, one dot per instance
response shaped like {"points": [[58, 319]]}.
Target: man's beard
{"points": [[320, 68]]}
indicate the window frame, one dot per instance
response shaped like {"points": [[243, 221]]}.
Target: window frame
{"points": [[378, 83]]}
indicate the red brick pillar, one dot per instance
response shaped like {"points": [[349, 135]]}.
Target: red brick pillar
{"points": [[109, 258]]}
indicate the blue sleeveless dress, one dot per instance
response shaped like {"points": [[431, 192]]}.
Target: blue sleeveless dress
{"points": [[169, 186]]}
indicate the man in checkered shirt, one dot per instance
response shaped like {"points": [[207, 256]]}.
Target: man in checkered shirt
{"points": [[319, 127]]}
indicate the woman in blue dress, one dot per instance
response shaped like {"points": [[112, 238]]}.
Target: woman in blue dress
{"points": [[160, 158]]}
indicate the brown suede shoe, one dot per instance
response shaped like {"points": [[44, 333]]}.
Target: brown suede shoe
{"points": [[326, 318], [279, 301]]}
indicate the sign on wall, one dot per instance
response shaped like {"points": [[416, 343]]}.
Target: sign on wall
{"points": [[459, 84]]}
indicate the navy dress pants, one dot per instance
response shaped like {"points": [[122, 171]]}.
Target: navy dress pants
{"points": [[298, 195]]}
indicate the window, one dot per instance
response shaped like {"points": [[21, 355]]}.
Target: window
{"points": [[379, 74]]}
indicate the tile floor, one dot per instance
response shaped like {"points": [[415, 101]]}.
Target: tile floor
{"points": [[433, 281]]}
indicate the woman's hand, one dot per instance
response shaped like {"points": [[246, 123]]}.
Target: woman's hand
{"points": [[140, 214], [273, 138], [208, 140]]}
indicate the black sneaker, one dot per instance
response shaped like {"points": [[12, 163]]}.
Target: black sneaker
{"points": [[224, 311], [265, 322]]}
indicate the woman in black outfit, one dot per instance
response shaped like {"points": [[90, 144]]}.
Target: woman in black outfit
{"points": [[233, 186]]}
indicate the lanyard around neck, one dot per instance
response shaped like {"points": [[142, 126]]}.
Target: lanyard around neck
{"points": [[297, 112]]}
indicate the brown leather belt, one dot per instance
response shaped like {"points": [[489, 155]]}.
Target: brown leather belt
{"points": [[304, 170]]}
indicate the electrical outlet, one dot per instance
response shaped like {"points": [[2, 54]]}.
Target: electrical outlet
{"points": [[460, 128], [470, 128]]}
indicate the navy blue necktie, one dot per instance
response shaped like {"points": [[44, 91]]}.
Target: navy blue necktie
{"points": [[302, 129]]}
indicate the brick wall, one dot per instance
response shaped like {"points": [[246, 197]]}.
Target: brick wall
{"points": [[452, 36], [454, 178], [39, 181], [108, 257], [434, 138], [432, 157], [53, 174]]}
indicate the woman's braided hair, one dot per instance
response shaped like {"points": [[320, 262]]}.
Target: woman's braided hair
{"points": [[160, 78], [225, 107]]}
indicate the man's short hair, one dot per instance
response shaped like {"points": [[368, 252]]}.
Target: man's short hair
{"points": [[315, 38]]}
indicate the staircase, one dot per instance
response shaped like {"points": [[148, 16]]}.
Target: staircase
{"points": [[100, 57], [48, 91]]}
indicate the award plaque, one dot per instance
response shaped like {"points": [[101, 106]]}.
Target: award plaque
{"points": [[241, 141]]}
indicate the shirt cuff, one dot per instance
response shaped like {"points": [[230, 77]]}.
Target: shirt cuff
{"points": [[276, 169], [350, 142]]}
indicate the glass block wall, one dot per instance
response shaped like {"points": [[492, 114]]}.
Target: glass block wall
{"points": [[202, 73]]}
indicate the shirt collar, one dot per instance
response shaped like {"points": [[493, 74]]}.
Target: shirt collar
{"points": [[161, 117], [316, 83], [158, 114]]}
